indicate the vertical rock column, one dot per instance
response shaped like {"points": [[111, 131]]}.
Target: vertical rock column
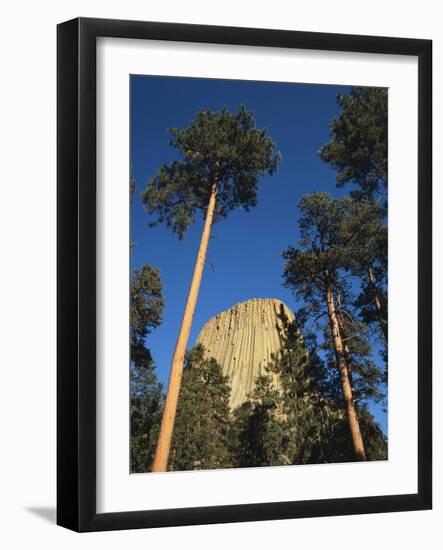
{"points": [[242, 340]]}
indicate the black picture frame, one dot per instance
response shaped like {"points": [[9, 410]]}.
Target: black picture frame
{"points": [[76, 264]]}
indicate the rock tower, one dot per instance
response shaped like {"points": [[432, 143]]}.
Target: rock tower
{"points": [[242, 340]]}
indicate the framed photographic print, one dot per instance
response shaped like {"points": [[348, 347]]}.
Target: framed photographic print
{"points": [[244, 217]]}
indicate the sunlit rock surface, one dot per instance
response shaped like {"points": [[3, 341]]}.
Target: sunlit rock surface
{"points": [[242, 340]]}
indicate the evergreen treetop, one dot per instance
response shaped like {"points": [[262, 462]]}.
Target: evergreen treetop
{"points": [[359, 142], [217, 148]]}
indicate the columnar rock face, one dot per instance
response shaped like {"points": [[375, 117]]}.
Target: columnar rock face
{"points": [[242, 340]]}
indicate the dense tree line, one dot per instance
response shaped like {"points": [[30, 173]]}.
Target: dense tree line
{"points": [[293, 416], [201, 432], [146, 398], [311, 403]]}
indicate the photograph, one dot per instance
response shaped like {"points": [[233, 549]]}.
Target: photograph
{"points": [[259, 276]]}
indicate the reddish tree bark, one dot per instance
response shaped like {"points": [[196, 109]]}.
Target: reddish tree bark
{"points": [[351, 411], [161, 457]]}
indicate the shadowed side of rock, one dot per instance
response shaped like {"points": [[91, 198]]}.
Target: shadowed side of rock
{"points": [[243, 339]]}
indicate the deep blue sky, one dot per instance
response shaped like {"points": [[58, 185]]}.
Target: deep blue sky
{"points": [[245, 249]]}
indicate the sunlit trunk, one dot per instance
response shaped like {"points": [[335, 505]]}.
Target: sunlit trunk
{"points": [[377, 304], [351, 411], [167, 425], [347, 354]]}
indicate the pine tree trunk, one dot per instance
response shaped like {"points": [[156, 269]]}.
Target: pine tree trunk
{"points": [[351, 411], [167, 425], [347, 355], [377, 304]]}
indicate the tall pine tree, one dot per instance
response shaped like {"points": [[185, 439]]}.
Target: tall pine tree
{"points": [[358, 150], [222, 157], [315, 271]]}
